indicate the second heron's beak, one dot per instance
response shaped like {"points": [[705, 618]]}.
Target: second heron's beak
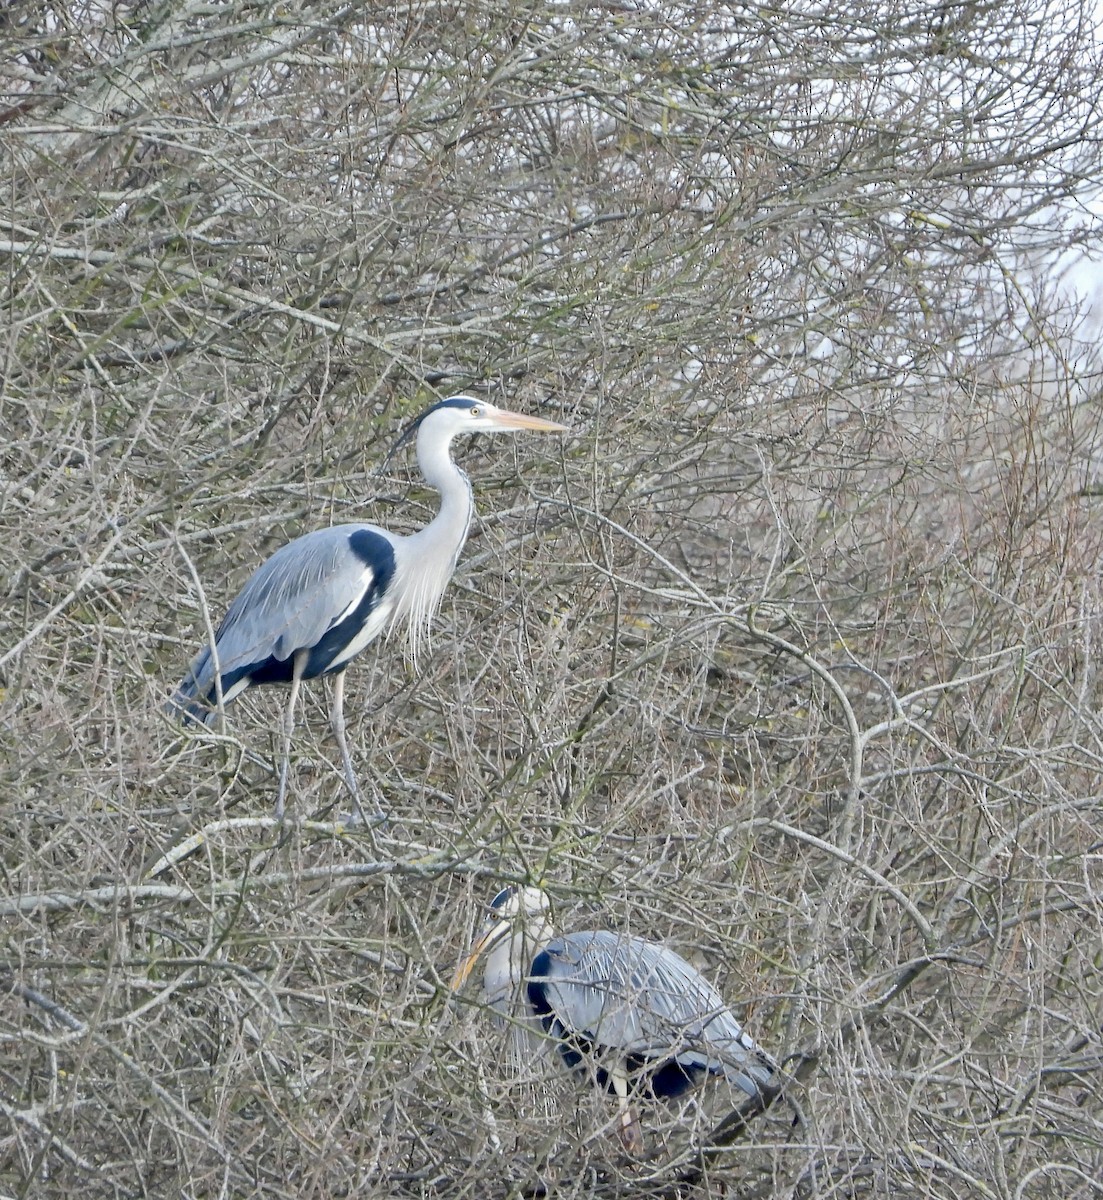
{"points": [[504, 419], [489, 935]]}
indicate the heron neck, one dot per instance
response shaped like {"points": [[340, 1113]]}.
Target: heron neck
{"points": [[448, 529], [508, 962], [432, 552]]}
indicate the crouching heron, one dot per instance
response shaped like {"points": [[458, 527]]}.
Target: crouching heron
{"points": [[318, 601], [632, 1015]]}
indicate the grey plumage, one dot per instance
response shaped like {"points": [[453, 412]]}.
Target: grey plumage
{"points": [[645, 1004], [291, 601]]}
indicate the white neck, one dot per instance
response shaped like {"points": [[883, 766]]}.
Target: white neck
{"points": [[508, 962], [434, 550]]}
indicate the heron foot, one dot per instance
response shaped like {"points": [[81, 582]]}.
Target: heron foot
{"points": [[630, 1134]]}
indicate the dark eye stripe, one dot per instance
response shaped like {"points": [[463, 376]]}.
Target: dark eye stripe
{"points": [[503, 897]]}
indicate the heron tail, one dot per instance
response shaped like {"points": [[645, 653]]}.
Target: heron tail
{"points": [[753, 1071]]}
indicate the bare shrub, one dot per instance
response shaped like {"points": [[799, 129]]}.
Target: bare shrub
{"points": [[787, 658]]}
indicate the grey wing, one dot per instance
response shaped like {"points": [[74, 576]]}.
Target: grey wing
{"points": [[298, 599], [642, 998]]}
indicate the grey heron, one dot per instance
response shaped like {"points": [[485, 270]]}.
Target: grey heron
{"points": [[318, 601], [633, 1015]]}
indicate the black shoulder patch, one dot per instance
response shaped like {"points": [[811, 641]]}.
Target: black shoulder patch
{"points": [[377, 554], [375, 551], [537, 990]]}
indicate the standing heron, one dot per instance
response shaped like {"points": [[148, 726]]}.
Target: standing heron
{"points": [[635, 1017], [318, 601]]}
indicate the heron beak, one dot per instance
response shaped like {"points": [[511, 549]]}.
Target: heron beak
{"points": [[504, 419], [488, 936]]}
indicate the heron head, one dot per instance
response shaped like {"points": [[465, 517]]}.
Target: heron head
{"points": [[466, 414], [513, 906], [514, 901]]}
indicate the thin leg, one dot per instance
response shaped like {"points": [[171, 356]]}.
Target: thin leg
{"points": [[337, 721], [288, 730], [628, 1126]]}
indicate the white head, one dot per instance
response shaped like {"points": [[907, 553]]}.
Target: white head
{"points": [[515, 901], [437, 426], [517, 927]]}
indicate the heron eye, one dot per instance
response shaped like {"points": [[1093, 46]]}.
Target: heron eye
{"points": [[476, 412]]}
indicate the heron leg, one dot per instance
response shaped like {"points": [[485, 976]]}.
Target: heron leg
{"points": [[337, 721], [628, 1125], [288, 729]]}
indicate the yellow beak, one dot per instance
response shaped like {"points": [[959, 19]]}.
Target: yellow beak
{"points": [[505, 419], [488, 935]]}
